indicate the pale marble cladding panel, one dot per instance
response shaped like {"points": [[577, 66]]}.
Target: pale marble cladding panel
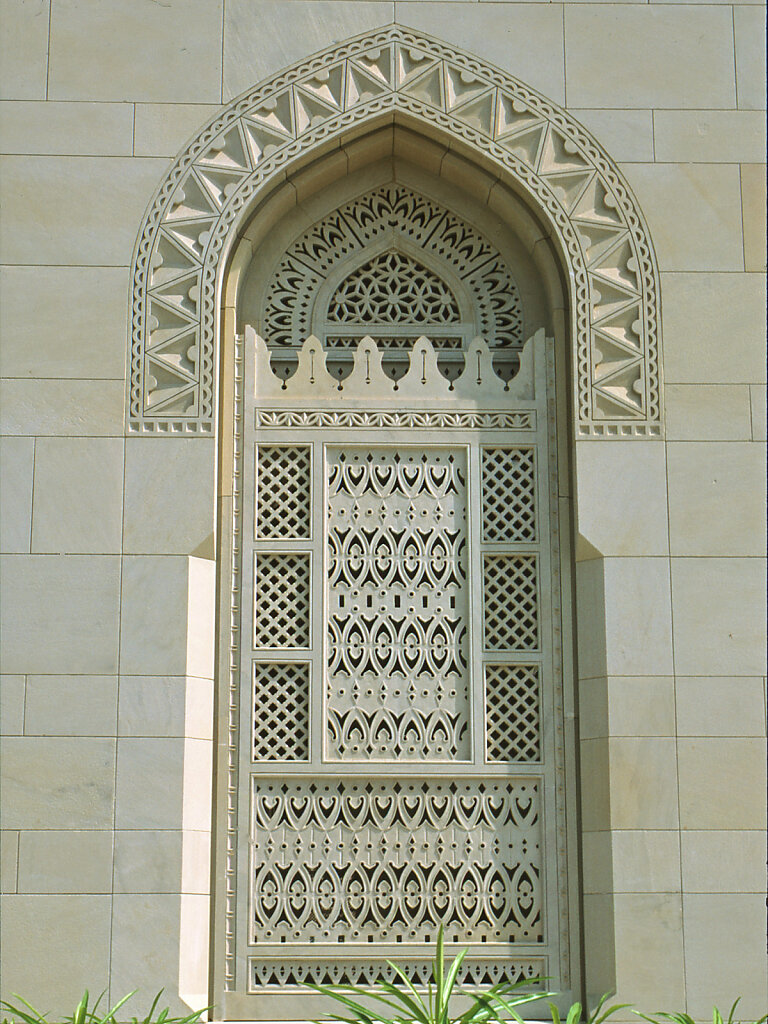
{"points": [[71, 934], [626, 134], [49, 323], [164, 52], [722, 782], [638, 55], [79, 630], [60, 705], [73, 211], [153, 638], [718, 706], [758, 408], [17, 456], [67, 129], [78, 495], [12, 693], [725, 952], [708, 412], [646, 860], [58, 782], [70, 407], [715, 861], [296, 29], [141, 762], [754, 215], [525, 40], [694, 213], [719, 615], [169, 495], [9, 860], [708, 136], [52, 861], [700, 311], [643, 782], [637, 616], [649, 949], [717, 498], [749, 26], [162, 129], [166, 706], [150, 861], [24, 49]]}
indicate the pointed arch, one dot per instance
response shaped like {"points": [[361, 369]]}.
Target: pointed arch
{"points": [[570, 181]]}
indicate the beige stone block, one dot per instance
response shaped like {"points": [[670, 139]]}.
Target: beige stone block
{"points": [[590, 618], [12, 690], [78, 496], [693, 211], [60, 862], [68, 129], [194, 944], [596, 793], [62, 407], [722, 783], [621, 504], [649, 949], [723, 861], [153, 637], [641, 706], [166, 706], [74, 210], [708, 412], [49, 327], [71, 706], [626, 135], [637, 616], [644, 56], [599, 947], [57, 782], [127, 51], [717, 497], [643, 782], [708, 136], [55, 947], [754, 215], [149, 861], [714, 706], [749, 37], [163, 129], [725, 954], [757, 401], [24, 49], [719, 616], [597, 862], [593, 708], [9, 860], [146, 945], [700, 311], [646, 860], [140, 802], [169, 495], [525, 40], [197, 785], [201, 618], [295, 31], [17, 457], [78, 632]]}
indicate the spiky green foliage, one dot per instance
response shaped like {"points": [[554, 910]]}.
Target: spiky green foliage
{"points": [[660, 1017], [404, 1005], [85, 1014]]}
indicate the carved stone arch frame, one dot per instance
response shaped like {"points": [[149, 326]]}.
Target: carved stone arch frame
{"points": [[511, 129]]}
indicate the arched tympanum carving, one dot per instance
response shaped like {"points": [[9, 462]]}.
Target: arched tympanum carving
{"points": [[568, 178]]}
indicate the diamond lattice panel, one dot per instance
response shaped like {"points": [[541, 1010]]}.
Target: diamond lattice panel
{"points": [[283, 490], [281, 711], [398, 684], [509, 494], [282, 600], [512, 713], [510, 602], [392, 860]]}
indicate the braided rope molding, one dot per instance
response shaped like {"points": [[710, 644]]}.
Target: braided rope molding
{"points": [[212, 184]]}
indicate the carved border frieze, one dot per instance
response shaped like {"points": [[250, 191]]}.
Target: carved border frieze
{"points": [[213, 183]]}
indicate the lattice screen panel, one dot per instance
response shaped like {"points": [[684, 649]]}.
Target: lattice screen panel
{"points": [[509, 494], [283, 491], [280, 711], [282, 600], [510, 602], [512, 713]]}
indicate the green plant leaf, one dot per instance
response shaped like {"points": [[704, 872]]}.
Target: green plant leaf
{"points": [[369, 1014], [450, 981]]}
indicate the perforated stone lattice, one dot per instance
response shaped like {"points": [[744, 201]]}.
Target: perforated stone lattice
{"points": [[509, 494], [510, 602], [283, 491], [512, 713], [282, 600], [281, 711]]}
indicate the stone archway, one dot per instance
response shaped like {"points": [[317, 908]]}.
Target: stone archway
{"points": [[395, 74]]}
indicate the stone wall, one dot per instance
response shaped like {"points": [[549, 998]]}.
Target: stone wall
{"points": [[107, 562]]}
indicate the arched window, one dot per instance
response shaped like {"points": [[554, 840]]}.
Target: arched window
{"points": [[397, 638]]}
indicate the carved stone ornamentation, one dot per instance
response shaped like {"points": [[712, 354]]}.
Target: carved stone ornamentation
{"points": [[570, 182]]}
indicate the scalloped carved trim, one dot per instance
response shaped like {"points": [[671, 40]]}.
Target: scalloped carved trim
{"points": [[206, 194]]}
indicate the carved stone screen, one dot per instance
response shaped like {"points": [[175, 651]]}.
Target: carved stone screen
{"points": [[396, 664]]}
